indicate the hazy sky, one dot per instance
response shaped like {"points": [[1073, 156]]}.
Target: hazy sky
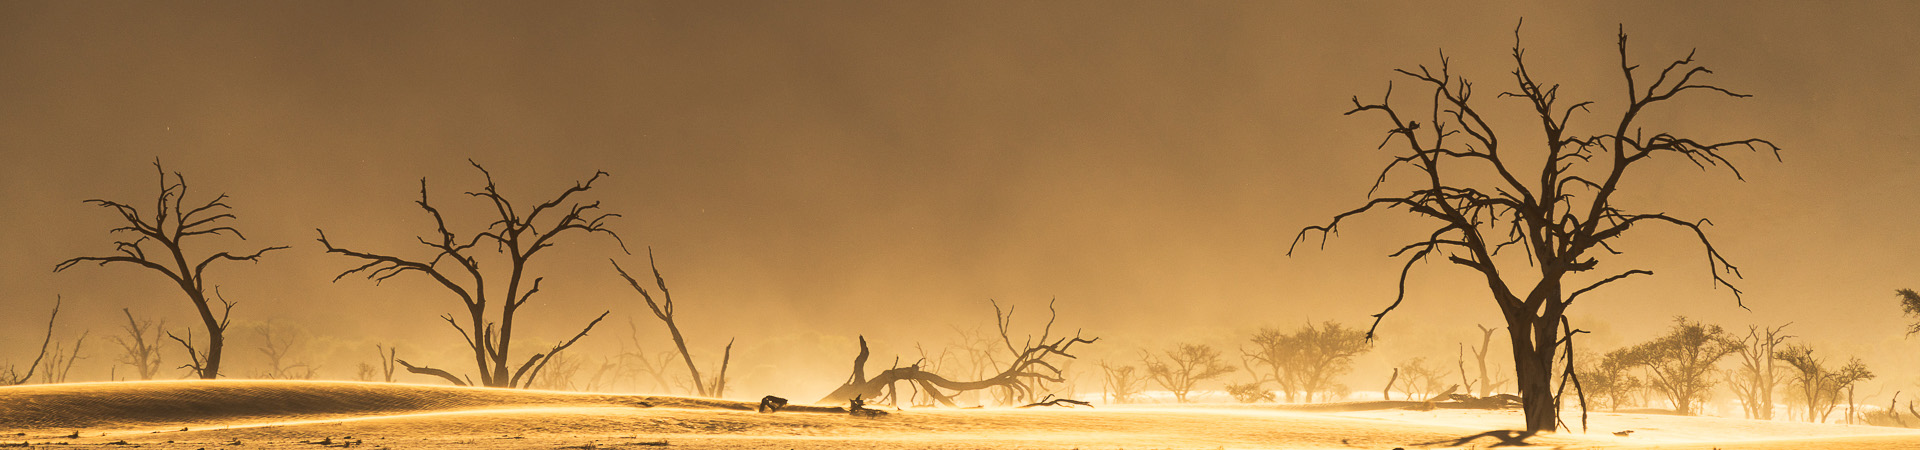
{"points": [[825, 168]]}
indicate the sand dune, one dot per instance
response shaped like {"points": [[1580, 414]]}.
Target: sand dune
{"points": [[285, 414]]}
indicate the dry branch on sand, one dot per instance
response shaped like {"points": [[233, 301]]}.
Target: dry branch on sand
{"points": [[1049, 400], [1032, 364]]}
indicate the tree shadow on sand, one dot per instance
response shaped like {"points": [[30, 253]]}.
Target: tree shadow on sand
{"points": [[1504, 438]]}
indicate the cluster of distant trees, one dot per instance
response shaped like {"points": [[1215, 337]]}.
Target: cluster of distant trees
{"points": [[1683, 366], [487, 270], [1304, 364]]}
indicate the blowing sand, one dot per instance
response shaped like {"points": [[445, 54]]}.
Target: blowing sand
{"points": [[321, 414]]}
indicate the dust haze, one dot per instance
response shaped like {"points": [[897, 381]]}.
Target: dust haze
{"points": [[809, 173]]}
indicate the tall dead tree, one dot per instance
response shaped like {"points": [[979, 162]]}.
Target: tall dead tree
{"points": [[663, 309], [1031, 363], [159, 244], [1560, 219], [1487, 383], [454, 262], [136, 349], [387, 356], [1755, 379]]}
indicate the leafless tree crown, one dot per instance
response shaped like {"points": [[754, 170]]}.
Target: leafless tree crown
{"points": [[1560, 214], [158, 244], [454, 262]]}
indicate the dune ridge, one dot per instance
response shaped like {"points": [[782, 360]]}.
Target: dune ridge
{"points": [[152, 403]]}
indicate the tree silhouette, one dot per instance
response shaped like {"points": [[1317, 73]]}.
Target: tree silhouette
{"points": [[1033, 363], [10, 375], [1306, 361], [160, 245], [1419, 381], [1122, 382], [663, 310], [454, 262], [1185, 366], [1609, 378], [1819, 386], [1561, 221], [1754, 381], [136, 349], [1681, 362]]}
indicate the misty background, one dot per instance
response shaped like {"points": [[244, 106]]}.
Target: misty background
{"points": [[809, 172]]}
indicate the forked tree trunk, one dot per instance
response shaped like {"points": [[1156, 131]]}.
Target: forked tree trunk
{"points": [[1533, 349]]}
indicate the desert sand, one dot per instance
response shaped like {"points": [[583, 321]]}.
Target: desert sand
{"points": [[322, 414]]}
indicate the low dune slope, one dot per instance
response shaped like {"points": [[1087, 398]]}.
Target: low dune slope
{"points": [[152, 403], [299, 414]]}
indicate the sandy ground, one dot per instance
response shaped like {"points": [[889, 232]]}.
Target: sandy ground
{"points": [[310, 415]]}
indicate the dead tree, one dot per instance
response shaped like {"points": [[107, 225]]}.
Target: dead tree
{"points": [[663, 309], [384, 369], [635, 360], [277, 342], [454, 262], [1122, 383], [1487, 383], [1185, 366], [559, 374], [1049, 400], [137, 349], [1561, 220], [1420, 381], [9, 375], [387, 356], [160, 245], [1386, 393], [60, 361], [1031, 363], [1755, 379]]}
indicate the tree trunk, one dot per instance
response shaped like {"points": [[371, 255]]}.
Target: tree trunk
{"points": [[1486, 341], [216, 333], [1533, 348], [215, 343], [1766, 380]]}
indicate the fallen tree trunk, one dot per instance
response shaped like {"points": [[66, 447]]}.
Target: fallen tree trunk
{"points": [[1028, 367]]}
